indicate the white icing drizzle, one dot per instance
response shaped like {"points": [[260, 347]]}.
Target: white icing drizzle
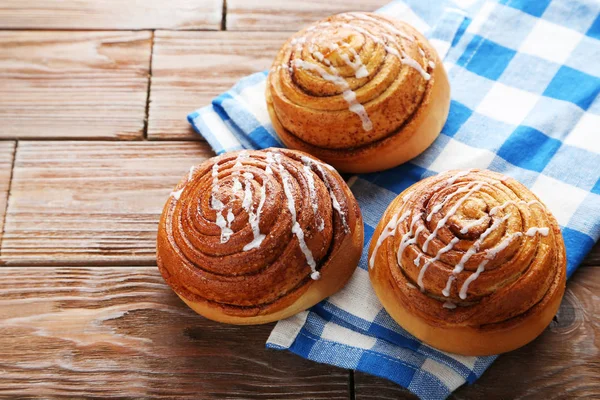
{"points": [[502, 206], [542, 231], [218, 206], [247, 201], [410, 285], [458, 268], [177, 194], [360, 71], [407, 60], [490, 254], [449, 305], [389, 230], [319, 56], [439, 254], [296, 229], [215, 203], [298, 41], [440, 205], [431, 64], [421, 52], [308, 162], [270, 160], [446, 290], [450, 213], [409, 237], [348, 94], [458, 175], [402, 56], [418, 259], [254, 216], [237, 185], [191, 173], [312, 190], [471, 224], [243, 155], [226, 231]]}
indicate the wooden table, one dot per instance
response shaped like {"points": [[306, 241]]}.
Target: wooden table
{"points": [[93, 137]]}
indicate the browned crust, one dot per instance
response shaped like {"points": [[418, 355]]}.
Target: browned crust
{"points": [[399, 146], [335, 271], [463, 338]]}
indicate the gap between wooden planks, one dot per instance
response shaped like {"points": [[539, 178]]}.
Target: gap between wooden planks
{"points": [[276, 15], [73, 84], [111, 14], [70, 332], [189, 69], [90, 203], [122, 332]]}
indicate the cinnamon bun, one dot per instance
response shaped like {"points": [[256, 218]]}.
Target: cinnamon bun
{"points": [[251, 237], [360, 91], [470, 262]]}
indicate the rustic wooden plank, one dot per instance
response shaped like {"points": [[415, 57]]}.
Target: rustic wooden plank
{"points": [[73, 84], [91, 202], [7, 150], [190, 68], [273, 15], [121, 332], [564, 362], [110, 14]]}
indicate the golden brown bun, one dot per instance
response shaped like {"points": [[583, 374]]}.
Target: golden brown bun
{"points": [[252, 237], [393, 71], [485, 224]]}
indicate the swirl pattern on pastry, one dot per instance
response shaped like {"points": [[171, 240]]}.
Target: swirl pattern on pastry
{"points": [[343, 86], [248, 232], [470, 249]]}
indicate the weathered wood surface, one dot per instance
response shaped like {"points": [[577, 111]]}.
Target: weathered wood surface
{"points": [[564, 362], [91, 202], [110, 14], [7, 150], [190, 68], [121, 332], [102, 331], [73, 84], [274, 15]]}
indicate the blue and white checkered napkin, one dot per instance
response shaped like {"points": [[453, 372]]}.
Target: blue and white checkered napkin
{"points": [[525, 78]]}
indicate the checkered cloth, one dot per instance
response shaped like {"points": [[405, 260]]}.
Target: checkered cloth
{"points": [[525, 79]]}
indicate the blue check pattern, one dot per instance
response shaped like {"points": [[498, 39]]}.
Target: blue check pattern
{"points": [[525, 78]]}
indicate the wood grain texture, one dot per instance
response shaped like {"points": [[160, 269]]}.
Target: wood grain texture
{"points": [[110, 14], [91, 202], [121, 332], [564, 362], [7, 150], [274, 15], [190, 68], [73, 84]]}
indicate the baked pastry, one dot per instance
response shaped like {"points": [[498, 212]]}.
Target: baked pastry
{"points": [[360, 91], [252, 237], [470, 262]]}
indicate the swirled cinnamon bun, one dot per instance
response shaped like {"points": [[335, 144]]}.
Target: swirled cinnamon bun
{"points": [[251, 237], [360, 91], [470, 262]]}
